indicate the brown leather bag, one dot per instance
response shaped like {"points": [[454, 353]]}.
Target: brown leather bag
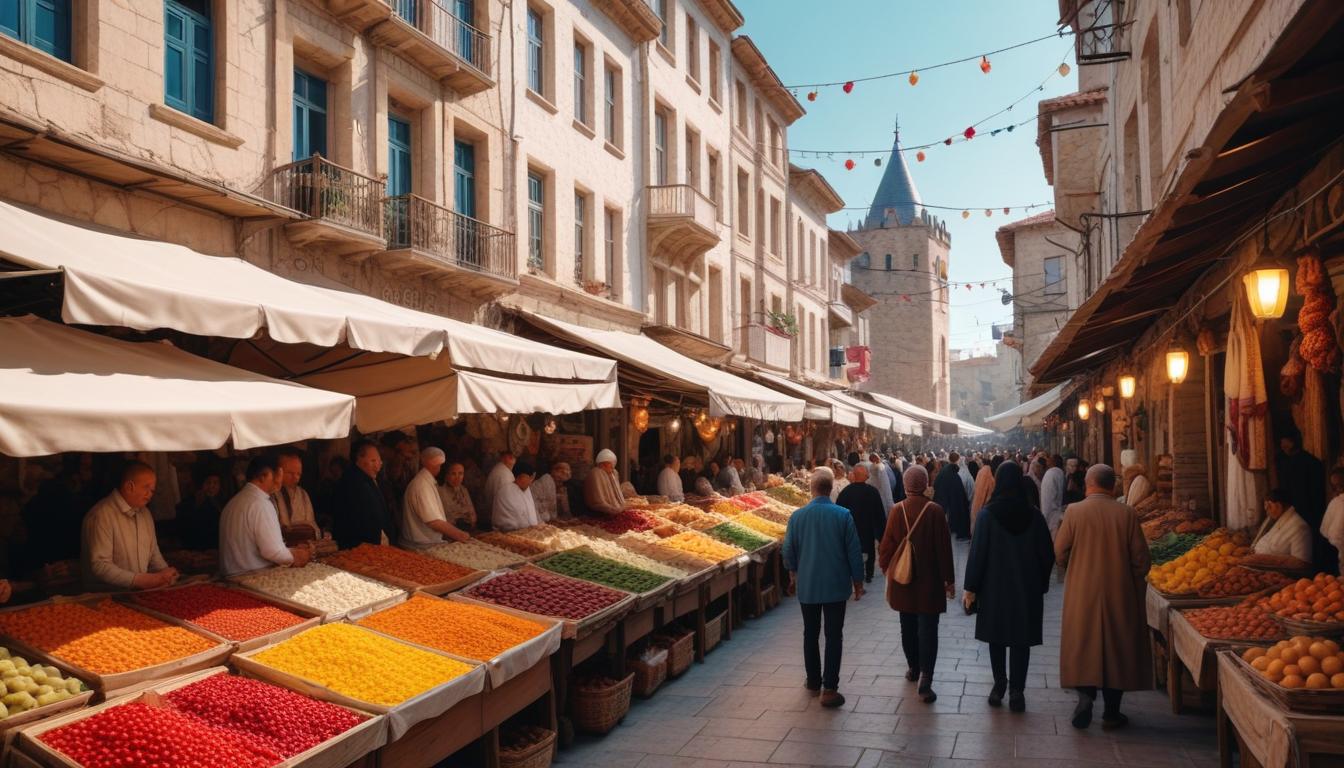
{"points": [[901, 569]]}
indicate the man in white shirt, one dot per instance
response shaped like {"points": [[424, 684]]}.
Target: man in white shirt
{"points": [[1284, 532], [1332, 524], [292, 503], [423, 519], [669, 480], [500, 475], [1052, 496], [879, 476], [119, 549], [550, 494], [514, 506], [249, 527]]}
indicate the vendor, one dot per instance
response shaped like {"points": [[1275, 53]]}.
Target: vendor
{"points": [[1284, 532], [360, 510], [514, 506], [424, 520], [297, 520], [500, 476], [669, 480], [119, 549], [728, 481], [690, 470], [550, 494], [1332, 525], [249, 529], [457, 506], [602, 488], [198, 514]]}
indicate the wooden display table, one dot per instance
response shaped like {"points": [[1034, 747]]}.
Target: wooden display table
{"points": [[1192, 654], [1266, 734]]}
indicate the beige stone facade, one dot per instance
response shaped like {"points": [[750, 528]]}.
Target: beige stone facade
{"points": [[1046, 287], [983, 385]]}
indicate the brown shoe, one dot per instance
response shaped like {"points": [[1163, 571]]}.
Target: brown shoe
{"points": [[832, 699]]}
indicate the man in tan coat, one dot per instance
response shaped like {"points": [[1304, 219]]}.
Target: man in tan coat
{"points": [[1103, 640]]}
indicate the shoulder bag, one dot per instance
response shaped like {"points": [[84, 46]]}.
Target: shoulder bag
{"points": [[902, 567]]}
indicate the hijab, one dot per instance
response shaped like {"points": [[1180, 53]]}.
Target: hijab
{"points": [[916, 480], [1009, 503]]}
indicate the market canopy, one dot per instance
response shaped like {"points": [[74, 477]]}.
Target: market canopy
{"points": [[727, 394], [875, 416], [121, 280], [820, 407], [939, 421], [72, 390], [1030, 413]]}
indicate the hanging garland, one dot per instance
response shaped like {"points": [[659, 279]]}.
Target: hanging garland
{"points": [[1319, 347]]}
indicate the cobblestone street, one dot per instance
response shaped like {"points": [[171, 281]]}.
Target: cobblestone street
{"points": [[746, 706]]}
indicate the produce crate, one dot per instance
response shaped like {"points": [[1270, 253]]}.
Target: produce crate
{"points": [[311, 618], [650, 670], [1333, 630], [642, 599], [336, 752], [680, 645], [770, 597], [354, 614], [78, 701], [401, 717], [1316, 702], [598, 709], [539, 755], [440, 588], [714, 631], [571, 628]]}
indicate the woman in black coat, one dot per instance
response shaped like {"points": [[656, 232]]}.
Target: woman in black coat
{"points": [[950, 494], [1007, 575]]}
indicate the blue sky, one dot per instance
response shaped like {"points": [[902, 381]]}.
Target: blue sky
{"points": [[850, 39]]}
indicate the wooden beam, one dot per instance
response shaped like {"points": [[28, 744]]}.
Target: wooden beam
{"points": [[1321, 83]]}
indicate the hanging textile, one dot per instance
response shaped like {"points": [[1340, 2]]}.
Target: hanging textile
{"points": [[1247, 439], [1311, 414]]}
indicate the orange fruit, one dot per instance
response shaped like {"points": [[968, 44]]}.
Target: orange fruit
{"points": [[1292, 670], [1291, 681], [1318, 681], [1309, 665], [1275, 667], [1337, 681], [1260, 662], [1253, 653], [1319, 650], [1332, 665]]}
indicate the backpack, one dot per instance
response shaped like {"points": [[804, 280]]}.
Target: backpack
{"points": [[901, 569]]}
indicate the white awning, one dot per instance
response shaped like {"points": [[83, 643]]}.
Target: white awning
{"points": [[116, 279], [820, 407], [964, 428], [70, 390], [1030, 413], [878, 417], [728, 394]]}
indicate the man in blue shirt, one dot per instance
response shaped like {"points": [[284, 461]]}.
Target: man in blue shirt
{"points": [[821, 551]]}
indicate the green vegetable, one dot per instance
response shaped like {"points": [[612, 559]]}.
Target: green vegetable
{"points": [[1172, 546], [604, 571], [735, 534], [787, 494]]}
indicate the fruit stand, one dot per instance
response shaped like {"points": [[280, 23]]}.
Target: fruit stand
{"points": [[1264, 728]]}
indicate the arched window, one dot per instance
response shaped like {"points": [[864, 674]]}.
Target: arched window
{"points": [[864, 260], [914, 261]]}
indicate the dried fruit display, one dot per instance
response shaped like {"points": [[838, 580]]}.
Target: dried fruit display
{"points": [[138, 734], [691, 517], [647, 545], [411, 567], [31, 686], [1242, 581], [1319, 599], [727, 508], [360, 664], [734, 534], [104, 638], [760, 525], [228, 613], [1314, 663], [626, 520], [1200, 525], [473, 631], [1217, 553], [546, 594], [474, 554], [1234, 622], [610, 573], [702, 546], [320, 587], [788, 494], [513, 543]]}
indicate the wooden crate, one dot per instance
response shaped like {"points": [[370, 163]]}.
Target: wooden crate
{"points": [[310, 616]]}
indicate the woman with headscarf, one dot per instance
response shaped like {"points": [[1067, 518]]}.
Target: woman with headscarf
{"points": [[1007, 575], [949, 493], [984, 488], [922, 600], [967, 476]]}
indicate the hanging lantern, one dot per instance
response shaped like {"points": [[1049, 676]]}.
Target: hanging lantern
{"points": [[848, 87], [948, 141], [674, 426], [965, 214], [1064, 70], [1108, 391], [1006, 210], [1128, 385], [919, 156], [1267, 292], [1084, 410], [1178, 364], [849, 165], [913, 78], [769, 435], [550, 425], [811, 95], [988, 213], [984, 64], [1099, 406], [708, 429], [502, 417], [969, 133], [639, 414], [877, 161]]}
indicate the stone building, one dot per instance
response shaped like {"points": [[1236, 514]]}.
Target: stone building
{"points": [[904, 266], [983, 385], [1041, 251]]}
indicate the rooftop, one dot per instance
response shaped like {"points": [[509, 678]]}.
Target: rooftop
{"points": [[896, 192], [1044, 111], [1004, 234]]}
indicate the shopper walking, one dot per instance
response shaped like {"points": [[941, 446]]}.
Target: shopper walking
{"points": [[950, 494], [922, 600], [821, 552], [1007, 575], [870, 517], [1103, 642]]}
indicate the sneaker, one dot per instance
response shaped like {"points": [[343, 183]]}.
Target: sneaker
{"points": [[1082, 714], [832, 699], [1017, 702], [1112, 722], [996, 693]]}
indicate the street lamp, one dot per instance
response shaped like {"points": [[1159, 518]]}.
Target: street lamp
{"points": [[1084, 410], [1128, 384], [1266, 292], [1178, 364]]}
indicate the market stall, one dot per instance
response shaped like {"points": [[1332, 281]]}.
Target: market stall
{"points": [[1265, 727]]}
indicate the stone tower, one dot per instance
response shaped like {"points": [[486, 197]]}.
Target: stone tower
{"points": [[904, 266]]}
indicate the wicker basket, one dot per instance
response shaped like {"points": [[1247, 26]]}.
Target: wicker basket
{"points": [[714, 631], [650, 668], [680, 650], [600, 704], [1329, 629], [538, 755]]}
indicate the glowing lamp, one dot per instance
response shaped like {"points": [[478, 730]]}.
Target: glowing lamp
{"points": [[1178, 364], [1099, 406], [1084, 410], [1128, 384], [1267, 292], [674, 425]]}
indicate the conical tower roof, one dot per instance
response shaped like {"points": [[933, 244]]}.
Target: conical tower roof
{"points": [[897, 191]]}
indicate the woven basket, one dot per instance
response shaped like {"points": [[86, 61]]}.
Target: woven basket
{"points": [[680, 651], [650, 669], [1329, 629], [538, 755], [600, 707], [714, 631]]}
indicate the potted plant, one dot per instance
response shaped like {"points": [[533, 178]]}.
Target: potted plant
{"points": [[781, 323]]}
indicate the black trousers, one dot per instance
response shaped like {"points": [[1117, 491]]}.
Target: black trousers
{"points": [[869, 561], [1017, 668], [833, 615], [919, 640], [1110, 696]]}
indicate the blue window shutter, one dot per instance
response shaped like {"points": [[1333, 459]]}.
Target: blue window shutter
{"points": [[51, 27], [188, 78], [398, 157], [10, 18], [464, 174], [310, 115]]}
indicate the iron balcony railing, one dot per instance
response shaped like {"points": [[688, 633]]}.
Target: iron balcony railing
{"points": [[682, 201], [448, 31], [321, 189], [452, 238]]}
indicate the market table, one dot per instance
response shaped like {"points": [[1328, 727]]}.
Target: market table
{"points": [[1266, 732], [1194, 653], [1158, 609]]}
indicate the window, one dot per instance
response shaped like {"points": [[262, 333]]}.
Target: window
{"points": [[888, 262], [741, 95], [611, 233], [716, 304], [611, 79], [464, 178], [536, 221], [743, 204], [465, 10], [188, 58], [43, 24], [536, 39], [693, 158], [660, 148], [712, 164], [1054, 275], [398, 156], [310, 115], [776, 143], [580, 221], [406, 9], [580, 83], [715, 73], [692, 48], [776, 227], [914, 261], [665, 34]]}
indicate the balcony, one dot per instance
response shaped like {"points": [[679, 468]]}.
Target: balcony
{"points": [[689, 343], [427, 239], [842, 316], [636, 17], [360, 14], [768, 346], [682, 223], [343, 209], [446, 46]]}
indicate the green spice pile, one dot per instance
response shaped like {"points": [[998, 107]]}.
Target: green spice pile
{"points": [[788, 494], [601, 570], [1172, 546], [740, 536]]}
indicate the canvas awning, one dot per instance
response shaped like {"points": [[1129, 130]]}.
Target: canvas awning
{"points": [[120, 280], [725, 393], [1030, 413], [878, 417], [939, 421], [72, 390], [820, 407]]}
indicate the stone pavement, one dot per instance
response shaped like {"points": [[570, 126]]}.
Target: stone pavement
{"points": [[746, 706]]}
